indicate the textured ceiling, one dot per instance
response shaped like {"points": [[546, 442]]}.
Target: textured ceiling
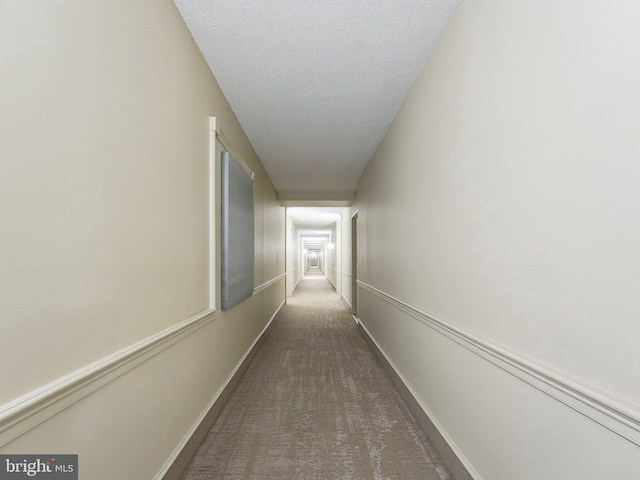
{"points": [[315, 83]]}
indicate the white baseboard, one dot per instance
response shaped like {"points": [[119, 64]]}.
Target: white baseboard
{"points": [[234, 376], [459, 466], [600, 407]]}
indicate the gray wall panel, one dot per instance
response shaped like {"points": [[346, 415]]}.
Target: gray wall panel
{"points": [[237, 233]]}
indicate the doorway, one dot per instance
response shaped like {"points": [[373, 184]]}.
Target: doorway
{"points": [[314, 256]]}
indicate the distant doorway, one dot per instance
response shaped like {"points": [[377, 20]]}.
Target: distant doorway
{"points": [[313, 259]]}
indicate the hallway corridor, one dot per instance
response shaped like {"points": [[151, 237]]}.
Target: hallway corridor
{"points": [[315, 404]]}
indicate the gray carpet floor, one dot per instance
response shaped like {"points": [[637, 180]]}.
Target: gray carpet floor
{"points": [[315, 404]]}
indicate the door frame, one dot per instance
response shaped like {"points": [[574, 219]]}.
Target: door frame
{"points": [[354, 264]]}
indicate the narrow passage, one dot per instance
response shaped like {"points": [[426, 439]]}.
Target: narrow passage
{"points": [[315, 404]]}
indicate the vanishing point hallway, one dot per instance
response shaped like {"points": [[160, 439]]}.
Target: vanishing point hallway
{"points": [[315, 404]]}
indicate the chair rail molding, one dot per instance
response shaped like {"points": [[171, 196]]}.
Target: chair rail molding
{"points": [[620, 418], [28, 411], [269, 283]]}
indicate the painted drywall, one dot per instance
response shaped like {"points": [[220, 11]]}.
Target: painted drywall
{"points": [[504, 201], [331, 257], [345, 256], [295, 257], [338, 254], [104, 181]]}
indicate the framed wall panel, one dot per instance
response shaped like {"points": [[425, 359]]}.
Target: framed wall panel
{"points": [[237, 233]]}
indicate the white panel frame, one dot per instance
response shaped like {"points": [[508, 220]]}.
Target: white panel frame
{"points": [[212, 213]]}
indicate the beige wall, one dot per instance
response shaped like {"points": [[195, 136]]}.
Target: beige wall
{"points": [[345, 255], [295, 265], [331, 256], [504, 203], [104, 185]]}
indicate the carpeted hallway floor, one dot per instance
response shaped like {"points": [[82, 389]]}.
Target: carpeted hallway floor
{"points": [[315, 404]]}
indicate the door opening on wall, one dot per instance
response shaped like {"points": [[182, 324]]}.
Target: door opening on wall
{"points": [[314, 257]]}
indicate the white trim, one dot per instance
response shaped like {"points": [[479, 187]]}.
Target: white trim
{"points": [[424, 407], [28, 411], [602, 408], [229, 147], [209, 406], [269, 283], [212, 213]]}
